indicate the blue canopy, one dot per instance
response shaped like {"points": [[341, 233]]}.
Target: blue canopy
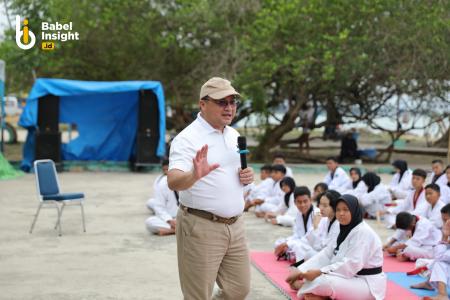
{"points": [[105, 114]]}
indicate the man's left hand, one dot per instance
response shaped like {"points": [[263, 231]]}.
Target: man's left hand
{"points": [[246, 175]]}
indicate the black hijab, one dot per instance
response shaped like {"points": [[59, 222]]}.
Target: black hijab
{"points": [[402, 166], [358, 171], [333, 196], [291, 184], [371, 180], [357, 217]]}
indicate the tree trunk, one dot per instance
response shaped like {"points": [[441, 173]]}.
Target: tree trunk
{"points": [[272, 136], [443, 141]]}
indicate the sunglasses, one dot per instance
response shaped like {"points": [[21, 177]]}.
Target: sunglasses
{"points": [[224, 103]]}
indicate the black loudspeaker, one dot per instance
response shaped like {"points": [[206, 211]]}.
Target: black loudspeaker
{"points": [[146, 149], [48, 146], [147, 136], [148, 113], [48, 114]]}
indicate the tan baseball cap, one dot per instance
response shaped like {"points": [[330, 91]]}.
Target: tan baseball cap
{"points": [[217, 88]]}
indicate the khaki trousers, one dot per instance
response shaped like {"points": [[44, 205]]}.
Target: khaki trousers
{"points": [[211, 252]]}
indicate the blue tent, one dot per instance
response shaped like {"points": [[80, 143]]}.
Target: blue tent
{"points": [[105, 114]]}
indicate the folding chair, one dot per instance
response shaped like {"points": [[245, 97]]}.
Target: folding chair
{"points": [[49, 194]]}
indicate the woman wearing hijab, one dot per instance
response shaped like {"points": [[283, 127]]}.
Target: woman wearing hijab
{"points": [[401, 182], [325, 228], [351, 267], [286, 211], [376, 196], [357, 187]]}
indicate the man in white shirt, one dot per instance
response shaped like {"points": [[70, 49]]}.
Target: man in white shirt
{"points": [[262, 189], [303, 223], [279, 159], [275, 194], [415, 203], [424, 236], [438, 175], [433, 212], [211, 241], [337, 179]]}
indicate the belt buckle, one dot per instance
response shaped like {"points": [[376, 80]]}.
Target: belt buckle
{"points": [[231, 220]]}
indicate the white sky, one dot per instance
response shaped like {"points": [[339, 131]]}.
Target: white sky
{"points": [[3, 20]]}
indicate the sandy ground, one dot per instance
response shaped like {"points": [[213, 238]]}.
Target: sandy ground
{"points": [[116, 258]]}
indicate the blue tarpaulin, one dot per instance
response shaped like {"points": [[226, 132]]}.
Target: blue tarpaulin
{"points": [[105, 114]]}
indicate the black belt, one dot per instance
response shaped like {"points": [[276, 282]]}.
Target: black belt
{"points": [[209, 216], [370, 271]]}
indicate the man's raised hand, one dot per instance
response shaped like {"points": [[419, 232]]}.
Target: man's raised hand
{"points": [[201, 166]]}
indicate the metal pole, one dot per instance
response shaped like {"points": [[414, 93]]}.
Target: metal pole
{"points": [[2, 100]]}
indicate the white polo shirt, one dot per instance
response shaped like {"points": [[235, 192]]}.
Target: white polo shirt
{"points": [[220, 192]]}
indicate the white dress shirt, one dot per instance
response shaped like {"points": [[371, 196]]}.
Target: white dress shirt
{"points": [[220, 192]]}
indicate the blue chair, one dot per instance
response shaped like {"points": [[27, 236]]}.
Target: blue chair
{"points": [[49, 194]]}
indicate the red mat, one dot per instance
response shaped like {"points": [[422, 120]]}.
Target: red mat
{"points": [[391, 264], [277, 271]]}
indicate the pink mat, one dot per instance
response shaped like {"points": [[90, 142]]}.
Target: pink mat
{"points": [[391, 264], [277, 271]]}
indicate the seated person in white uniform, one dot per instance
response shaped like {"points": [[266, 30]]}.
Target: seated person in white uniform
{"points": [[438, 174], [414, 203], [423, 236], [435, 204], [400, 185], [165, 206], [287, 211], [376, 195], [279, 159], [357, 187], [259, 191], [325, 229], [439, 267], [156, 184], [319, 189], [350, 268], [445, 189], [336, 178], [275, 195], [284, 247]]}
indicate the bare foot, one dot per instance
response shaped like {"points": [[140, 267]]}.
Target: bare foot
{"points": [[423, 286], [296, 285], [402, 258], [259, 214], [166, 232]]}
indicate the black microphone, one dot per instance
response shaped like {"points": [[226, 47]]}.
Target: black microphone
{"points": [[242, 145]]}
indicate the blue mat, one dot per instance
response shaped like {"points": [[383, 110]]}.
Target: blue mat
{"points": [[406, 281]]}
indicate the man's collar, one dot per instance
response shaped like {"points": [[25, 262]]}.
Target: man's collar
{"points": [[206, 125]]}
